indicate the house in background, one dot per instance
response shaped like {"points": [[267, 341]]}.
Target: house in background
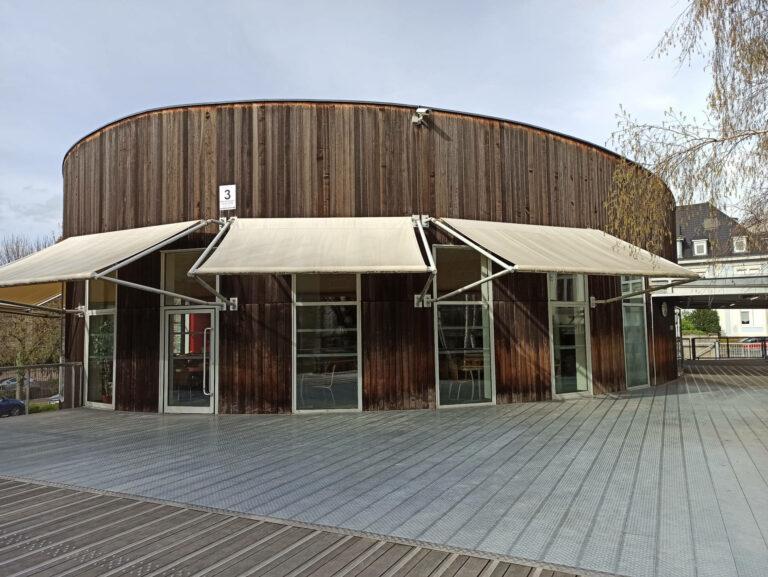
{"points": [[714, 244]]}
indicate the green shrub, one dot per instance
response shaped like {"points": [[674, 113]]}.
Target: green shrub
{"points": [[703, 321], [43, 408]]}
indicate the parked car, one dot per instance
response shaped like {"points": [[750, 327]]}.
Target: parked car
{"points": [[752, 343], [56, 399], [11, 407]]}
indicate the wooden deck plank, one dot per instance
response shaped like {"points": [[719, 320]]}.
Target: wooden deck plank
{"points": [[93, 535]]}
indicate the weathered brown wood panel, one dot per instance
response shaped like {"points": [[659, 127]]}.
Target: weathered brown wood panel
{"points": [[661, 343], [138, 338], [521, 334], [397, 344], [607, 336], [255, 346]]}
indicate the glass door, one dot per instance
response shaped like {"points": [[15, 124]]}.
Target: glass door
{"points": [[635, 337], [569, 332], [190, 381]]}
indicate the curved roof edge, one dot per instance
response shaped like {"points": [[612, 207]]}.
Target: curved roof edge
{"points": [[322, 101]]}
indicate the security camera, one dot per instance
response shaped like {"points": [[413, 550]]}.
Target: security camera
{"points": [[419, 117]]}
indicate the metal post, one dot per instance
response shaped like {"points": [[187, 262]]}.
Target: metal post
{"points": [[727, 347], [26, 394], [693, 348], [762, 342]]}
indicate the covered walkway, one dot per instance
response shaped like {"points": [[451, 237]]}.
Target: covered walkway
{"points": [[670, 481]]}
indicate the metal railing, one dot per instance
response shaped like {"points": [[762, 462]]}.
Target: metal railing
{"points": [[36, 388], [696, 348]]}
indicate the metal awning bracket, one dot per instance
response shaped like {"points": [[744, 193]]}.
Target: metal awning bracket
{"points": [[506, 267], [423, 299]]}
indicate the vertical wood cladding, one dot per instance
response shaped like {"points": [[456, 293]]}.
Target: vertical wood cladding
{"points": [[661, 343], [397, 344], [138, 338], [521, 335], [255, 346], [607, 336], [342, 159]]}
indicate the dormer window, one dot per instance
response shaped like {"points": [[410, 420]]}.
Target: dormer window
{"points": [[740, 244], [700, 247]]}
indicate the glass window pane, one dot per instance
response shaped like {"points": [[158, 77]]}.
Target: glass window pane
{"points": [[457, 267], [635, 345], [176, 265], [566, 287], [464, 354], [102, 294], [326, 357], [569, 340], [326, 287], [101, 354]]}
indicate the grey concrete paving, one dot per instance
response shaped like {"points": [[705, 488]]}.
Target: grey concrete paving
{"points": [[665, 481]]}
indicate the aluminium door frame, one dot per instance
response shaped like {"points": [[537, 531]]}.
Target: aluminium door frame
{"points": [[86, 349], [163, 355], [647, 384], [485, 302], [551, 306]]}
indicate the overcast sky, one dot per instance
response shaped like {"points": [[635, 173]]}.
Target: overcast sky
{"points": [[68, 67]]}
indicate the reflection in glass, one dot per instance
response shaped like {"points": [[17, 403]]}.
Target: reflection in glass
{"points": [[566, 287], [464, 354], [313, 288], [101, 354], [326, 357], [458, 267], [189, 359], [569, 340], [102, 294], [176, 265]]}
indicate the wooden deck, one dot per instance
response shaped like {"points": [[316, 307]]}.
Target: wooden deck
{"points": [[55, 531]]}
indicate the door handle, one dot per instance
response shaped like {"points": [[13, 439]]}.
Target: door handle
{"points": [[206, 333]]}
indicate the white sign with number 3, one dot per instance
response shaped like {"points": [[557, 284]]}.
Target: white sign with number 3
{"points": [[227, 197]]}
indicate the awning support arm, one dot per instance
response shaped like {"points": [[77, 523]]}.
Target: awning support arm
{"points": [[103, 275], [25, 306], [507, 268], [420, 298], [192, 273], [593, 302], [153, 248], [158, 291]]}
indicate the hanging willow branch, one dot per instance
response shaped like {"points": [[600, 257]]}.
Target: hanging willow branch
{"points": [[721, 158]]}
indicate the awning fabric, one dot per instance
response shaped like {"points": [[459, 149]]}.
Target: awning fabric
{"points": [[317, 245], [534, 248], [36, 294], [82, 257]]}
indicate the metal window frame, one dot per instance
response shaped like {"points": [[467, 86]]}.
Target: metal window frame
{"points": [[295, 304]]}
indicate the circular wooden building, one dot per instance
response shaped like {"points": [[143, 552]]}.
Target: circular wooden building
{"points": [[340, 183]]}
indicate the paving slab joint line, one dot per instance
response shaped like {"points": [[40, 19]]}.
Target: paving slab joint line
{"points": [[329, 528]]}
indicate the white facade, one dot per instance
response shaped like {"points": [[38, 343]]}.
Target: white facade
{"points": [[735, 322]]}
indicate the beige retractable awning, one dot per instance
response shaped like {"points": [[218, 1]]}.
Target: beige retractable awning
{"points": [[82, 257], [317, 245], [533, 248], [36, 294]]}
